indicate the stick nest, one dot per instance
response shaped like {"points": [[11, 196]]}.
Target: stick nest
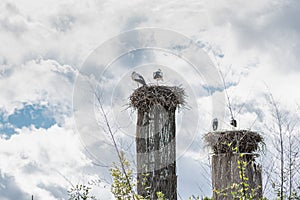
{"points": [[145, 97], [237, 141]]}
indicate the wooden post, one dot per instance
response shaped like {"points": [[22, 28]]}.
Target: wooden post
{"points": [[155, 140], [226, 172], [156, 152], [233, 164]]}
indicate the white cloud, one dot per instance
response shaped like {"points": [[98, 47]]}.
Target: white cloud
{"points": [[43, 162], [37, 81], [46, 42]]}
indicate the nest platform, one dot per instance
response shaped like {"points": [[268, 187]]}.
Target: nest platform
{"points": [[234, 141], [145, 97]]}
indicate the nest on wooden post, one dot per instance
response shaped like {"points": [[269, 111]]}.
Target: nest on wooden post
{"points": [[234, 141], [145, 97]]}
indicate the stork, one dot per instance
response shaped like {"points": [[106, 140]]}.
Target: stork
{"points": [[233, 122], [215, 124], [138, 78], [158, 75]]}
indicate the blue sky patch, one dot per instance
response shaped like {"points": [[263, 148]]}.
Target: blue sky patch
{"points": [[211, 89], [35, 115]]}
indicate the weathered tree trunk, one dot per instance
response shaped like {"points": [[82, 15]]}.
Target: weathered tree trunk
{"points": [[155, 139], [235, 174], [156, 152], [226, 171]]}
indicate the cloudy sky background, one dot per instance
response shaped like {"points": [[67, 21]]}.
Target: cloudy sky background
{"points": [[44, 45]]}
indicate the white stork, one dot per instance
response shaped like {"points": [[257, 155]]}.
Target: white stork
{"points": [[233, 122], [215, 124], [158, 75], [138, 78]]}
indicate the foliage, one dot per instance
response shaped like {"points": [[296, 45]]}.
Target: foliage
{"points": [[244, 140], [121, 188], [296, 194], [80, 192], [240, 190], [160, 196]]}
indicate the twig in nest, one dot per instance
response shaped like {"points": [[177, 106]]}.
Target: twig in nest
{"points": [[146, 97], [242, 141]]}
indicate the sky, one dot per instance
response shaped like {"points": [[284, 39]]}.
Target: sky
{"points": [[52, 134]]}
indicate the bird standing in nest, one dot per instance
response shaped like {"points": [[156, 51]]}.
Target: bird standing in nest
{"points": [[138, 78], [158, 75], [215, 124], [233, 122]]}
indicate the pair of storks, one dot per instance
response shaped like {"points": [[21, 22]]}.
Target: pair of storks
{"points": [[233, 123], [158, 76]]}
